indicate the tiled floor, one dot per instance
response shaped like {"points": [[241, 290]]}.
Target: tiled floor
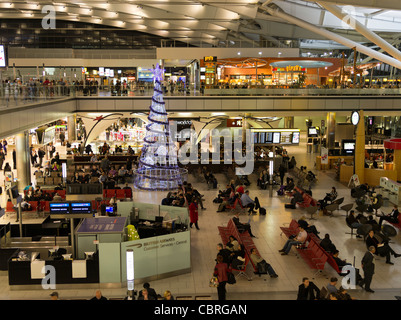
{"points": [[291, 270]]}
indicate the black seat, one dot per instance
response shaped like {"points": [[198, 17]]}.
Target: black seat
{"points": [[389, 231], [351, 227], [364, 229]]}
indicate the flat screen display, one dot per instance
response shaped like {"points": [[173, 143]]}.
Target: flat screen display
{"points": [[312, 131], [276, 137], [109, 210], [3, 61], [262, 137], [59, 207], [255, 137], [349, 146], [295, 137], [269, 138], [81, 207]]}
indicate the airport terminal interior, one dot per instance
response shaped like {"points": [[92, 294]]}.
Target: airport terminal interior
{"points": [[133, 133]]}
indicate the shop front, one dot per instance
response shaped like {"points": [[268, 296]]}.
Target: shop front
{"points": [[266, 72]]}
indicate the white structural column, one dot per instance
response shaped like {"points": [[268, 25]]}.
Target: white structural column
{"points": [[22, 160], [368, 34], [333, 36]]}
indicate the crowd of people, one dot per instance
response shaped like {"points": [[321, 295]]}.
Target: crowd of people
{"points": [[146, 293]]}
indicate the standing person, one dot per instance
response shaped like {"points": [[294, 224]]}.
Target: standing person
{"points": [[6, 92], [368, 267], [220, 271], [15, 159], [41, 154], [281, 171], [193, 213], [2, 158], [5, 146], [52, 150], [105, 163], [62, 137], [307, 290], [292, 164]]}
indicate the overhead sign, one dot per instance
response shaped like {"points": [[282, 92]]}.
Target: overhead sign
{"points": [[234, 123], [210, 59]]}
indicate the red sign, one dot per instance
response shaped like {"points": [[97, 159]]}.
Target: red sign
{"points": [[234, 123]]}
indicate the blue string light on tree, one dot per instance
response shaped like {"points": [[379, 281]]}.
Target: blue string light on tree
{"points": [[158, 166]]}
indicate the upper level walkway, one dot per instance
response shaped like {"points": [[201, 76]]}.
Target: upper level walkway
{"points": [[31, 108]]}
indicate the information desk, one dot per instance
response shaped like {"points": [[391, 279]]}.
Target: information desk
{"points": [[332, 160], [67, 271]]}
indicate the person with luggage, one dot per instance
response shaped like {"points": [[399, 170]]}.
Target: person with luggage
{"points": [[242, 227], [249, 203], [262, 265]]}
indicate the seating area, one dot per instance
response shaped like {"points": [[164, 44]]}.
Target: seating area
{"points": [[61, 193], [313, 254], [118, 193], [244, 239], [308, 200]]}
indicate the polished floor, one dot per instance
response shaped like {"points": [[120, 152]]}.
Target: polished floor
{"points": [[291, 269]]}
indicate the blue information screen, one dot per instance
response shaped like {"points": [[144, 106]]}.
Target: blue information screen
{"points": [[81, 207], [59, 208]]}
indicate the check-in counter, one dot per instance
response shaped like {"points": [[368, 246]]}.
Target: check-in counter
{"points": [[26, 272]]}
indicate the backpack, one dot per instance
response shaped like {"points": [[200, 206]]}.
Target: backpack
{"points": [[262, 211]]}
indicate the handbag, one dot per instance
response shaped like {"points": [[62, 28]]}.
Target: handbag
{"points": [[231, 278], [214, 282]]}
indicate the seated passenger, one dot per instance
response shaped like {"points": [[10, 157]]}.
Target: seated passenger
{"points": [[294, 240], [262, 266], [382, 247]]}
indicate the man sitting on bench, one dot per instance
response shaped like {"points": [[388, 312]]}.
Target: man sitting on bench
{"points": [[391, 217], [261, 264], [294, 240], [242, 227], [249, 203]]}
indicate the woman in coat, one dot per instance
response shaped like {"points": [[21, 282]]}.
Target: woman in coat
{"points": [[193, 214], [220, 271]]}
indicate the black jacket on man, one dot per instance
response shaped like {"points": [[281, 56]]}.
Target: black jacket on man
{"points": [[312, 291]]}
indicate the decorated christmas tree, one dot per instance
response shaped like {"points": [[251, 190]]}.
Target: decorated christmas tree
{"points": [[158, 167]]}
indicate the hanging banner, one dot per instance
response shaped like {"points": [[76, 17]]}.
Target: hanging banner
{"points": [[324, 153]]}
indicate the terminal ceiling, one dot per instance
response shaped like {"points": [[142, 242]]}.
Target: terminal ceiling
{"points": [[223, 22]]}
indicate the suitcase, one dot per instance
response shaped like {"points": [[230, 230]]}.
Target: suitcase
{"points": [[262, 211], [289, 206]]}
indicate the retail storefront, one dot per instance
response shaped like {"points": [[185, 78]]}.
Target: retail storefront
{"points": [[260, 72]]}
